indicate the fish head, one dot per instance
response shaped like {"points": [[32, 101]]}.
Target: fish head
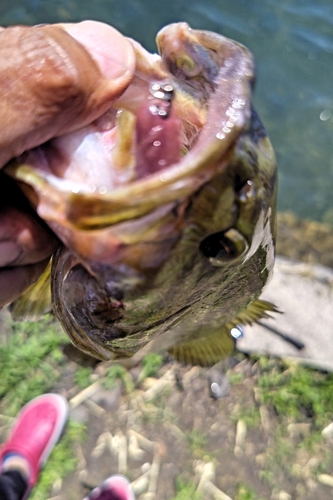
{"points": [[165, 205]]}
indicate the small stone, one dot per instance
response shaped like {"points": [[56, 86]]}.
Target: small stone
{"points": [[325, 479], [261, 459], [148, 496], [145, 467], [283, 495], [108, 399], [296, 470], [86, 393], [299, 430], [218, 494], [265, 420], [148, 383], [327, 433], [208, 474], [311, 464], [56, 487], [311, 484], [80, 414], [189, 376], [241, 431], [140, 485], [134, 451]]}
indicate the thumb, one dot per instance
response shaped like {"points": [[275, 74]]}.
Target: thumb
{"points": [[57, 78]]}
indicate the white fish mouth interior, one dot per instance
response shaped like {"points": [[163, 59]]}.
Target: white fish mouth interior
{"points": [[116, 150]]}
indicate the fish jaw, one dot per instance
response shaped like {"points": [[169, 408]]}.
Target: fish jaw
{"points": [[157, 254]]}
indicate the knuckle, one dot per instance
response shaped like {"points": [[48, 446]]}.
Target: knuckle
{"points": [[53, 68]]}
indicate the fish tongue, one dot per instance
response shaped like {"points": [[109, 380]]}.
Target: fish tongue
{"points": [[158, 137]]}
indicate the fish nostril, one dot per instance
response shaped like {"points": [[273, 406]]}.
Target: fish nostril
{"points": [[246, 191], [243, 185], [223, 246]]}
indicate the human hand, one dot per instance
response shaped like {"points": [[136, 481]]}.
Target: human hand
{"points": [[53, 79]]}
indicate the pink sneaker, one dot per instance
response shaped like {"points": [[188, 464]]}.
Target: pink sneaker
{"points": [[36, 431], [114, 488]]}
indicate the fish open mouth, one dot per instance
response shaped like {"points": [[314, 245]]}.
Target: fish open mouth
{"points": [[158, 143]]}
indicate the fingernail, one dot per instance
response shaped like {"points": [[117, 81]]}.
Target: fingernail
{"points": [[9, 252]]}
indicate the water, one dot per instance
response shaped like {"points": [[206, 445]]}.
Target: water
{"points": [[292, 41]]}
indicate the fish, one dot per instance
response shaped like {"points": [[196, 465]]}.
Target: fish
{"points": [[165, 207]]}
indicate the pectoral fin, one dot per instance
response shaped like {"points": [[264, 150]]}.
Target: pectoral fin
{"points": [[205, 351], [258, 309], [217, 345], [36, 301]]}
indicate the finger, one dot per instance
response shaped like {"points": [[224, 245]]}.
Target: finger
{"points": [[50, 82], [14, 281], [109, 48], [23, 239]]}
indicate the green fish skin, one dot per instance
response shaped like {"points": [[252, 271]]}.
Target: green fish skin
{"points": [[173, 249]]}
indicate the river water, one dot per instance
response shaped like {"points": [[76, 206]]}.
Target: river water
{"points": [[292, 41]]}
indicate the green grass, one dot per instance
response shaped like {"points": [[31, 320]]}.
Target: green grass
{"points": [[297, 392], [29, 361], [197, 442], [245, 493], [61, 462], [235, 378], [186, 491], [151, 364], [248, 413], [82, 377], [117, 372], [294, 394]]}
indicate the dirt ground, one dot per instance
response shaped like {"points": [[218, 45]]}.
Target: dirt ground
{"points": [[174, 440], [172, 428]]}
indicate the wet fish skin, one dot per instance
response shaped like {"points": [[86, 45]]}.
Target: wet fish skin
{"points": [[172, 260]]}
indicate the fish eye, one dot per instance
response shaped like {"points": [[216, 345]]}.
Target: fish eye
{"points": [[224, 246], [187, 65]]}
